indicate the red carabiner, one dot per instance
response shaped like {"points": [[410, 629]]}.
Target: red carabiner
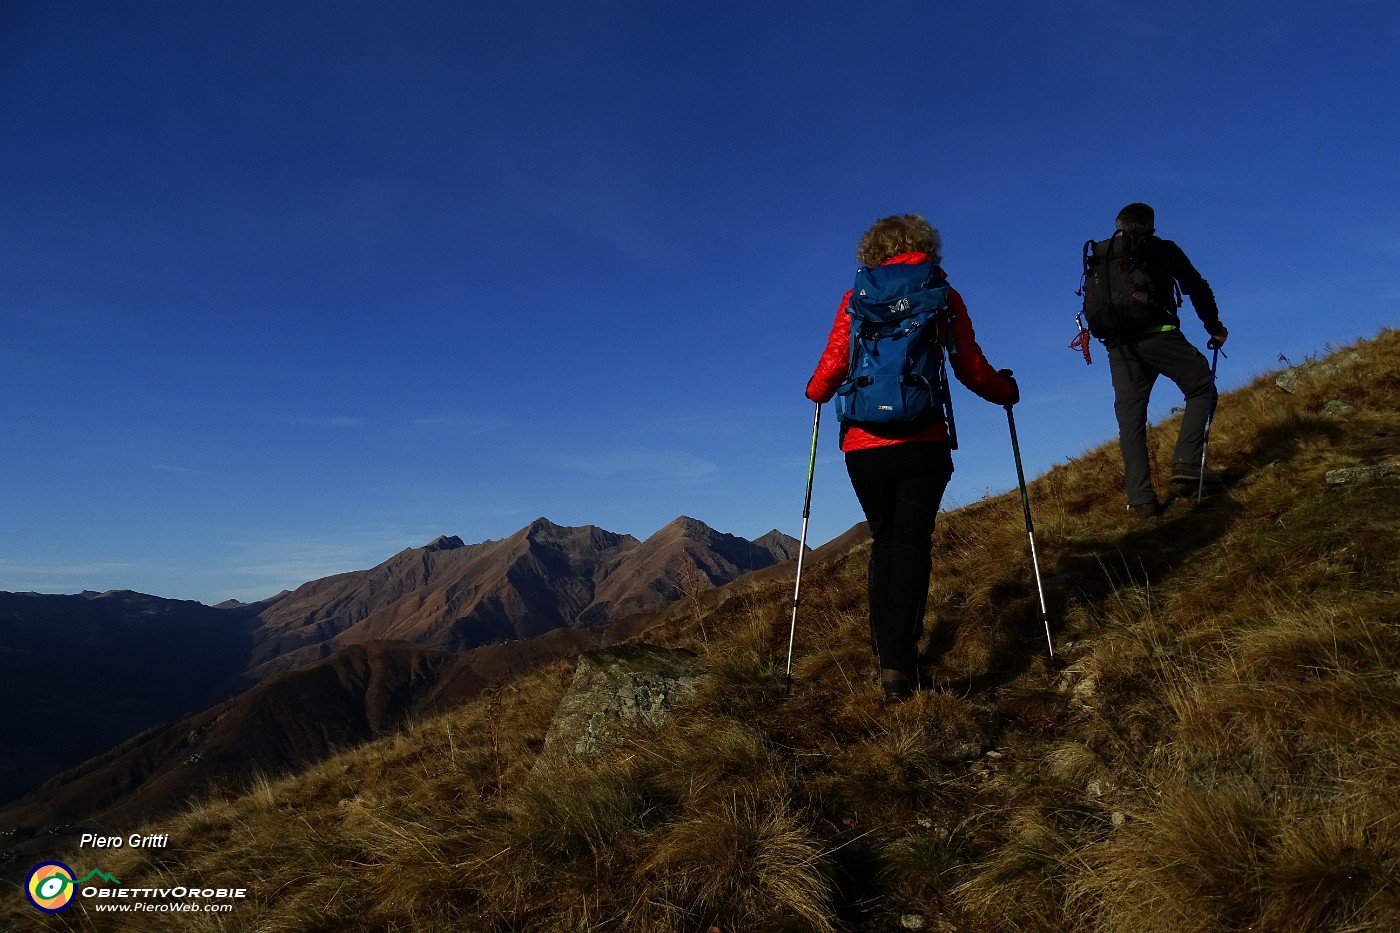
{"points": [[1081, 342]]}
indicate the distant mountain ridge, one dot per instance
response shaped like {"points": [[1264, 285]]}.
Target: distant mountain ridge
{"points": [[356, 652], [458, 596]]}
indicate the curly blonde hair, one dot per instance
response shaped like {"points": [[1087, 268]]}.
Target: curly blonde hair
{"points": [[890, 236]]}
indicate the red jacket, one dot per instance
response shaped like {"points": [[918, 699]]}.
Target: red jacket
{"points": [[969, 365]]}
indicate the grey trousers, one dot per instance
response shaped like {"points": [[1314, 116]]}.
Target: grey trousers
{"points": [[1135, 368]]}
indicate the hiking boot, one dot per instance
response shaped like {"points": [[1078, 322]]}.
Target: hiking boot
{"points": [[897, 691], [1185, 473], [1145, 510], [896, 686]]}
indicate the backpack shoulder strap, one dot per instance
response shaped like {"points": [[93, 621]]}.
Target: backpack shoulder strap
{"points": [[944, 318]]}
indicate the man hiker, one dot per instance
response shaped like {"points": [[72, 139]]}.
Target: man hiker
{"points": [[884, 358], [1131, 299]]}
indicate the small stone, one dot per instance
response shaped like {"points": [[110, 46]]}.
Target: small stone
{"points": [[962, 751], [912, 921], [1337, 409]]}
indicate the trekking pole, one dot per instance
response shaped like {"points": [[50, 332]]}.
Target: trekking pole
{"points": [[1205, 440], [1030, 528], [802, 545]]}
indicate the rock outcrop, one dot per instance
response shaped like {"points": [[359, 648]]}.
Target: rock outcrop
{"points": [[615, 689]]}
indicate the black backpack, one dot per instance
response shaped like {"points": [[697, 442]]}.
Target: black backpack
{"points": [[1127, 289]]}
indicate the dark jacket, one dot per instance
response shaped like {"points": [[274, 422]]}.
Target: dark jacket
{"points": [[1193, 286]]}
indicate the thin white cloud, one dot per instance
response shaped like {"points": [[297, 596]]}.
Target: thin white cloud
{"points": [[669, 465], [291, 563], [172, 468], [459, 425], [715, 425], [23, 577], [274, 564]]}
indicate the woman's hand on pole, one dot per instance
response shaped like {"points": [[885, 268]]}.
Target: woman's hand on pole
{"points": [[1015, 389]]}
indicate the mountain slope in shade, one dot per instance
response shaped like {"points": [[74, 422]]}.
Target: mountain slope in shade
{"points": [[286, 723], [455, 596], [78, 674]]}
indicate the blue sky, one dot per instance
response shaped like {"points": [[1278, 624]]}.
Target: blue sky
{"points": [[288, 287]]}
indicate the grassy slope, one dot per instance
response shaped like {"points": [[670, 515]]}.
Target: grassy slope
{"points": [[1216, 745]]}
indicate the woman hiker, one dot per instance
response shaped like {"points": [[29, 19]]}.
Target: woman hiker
{"points": [[899, 470]]}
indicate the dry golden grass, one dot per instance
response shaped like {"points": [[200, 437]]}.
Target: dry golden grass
{"points": [[1216, 746]]}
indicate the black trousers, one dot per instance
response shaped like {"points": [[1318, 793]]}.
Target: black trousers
{"points": [[900, 488], [1135, 368]]}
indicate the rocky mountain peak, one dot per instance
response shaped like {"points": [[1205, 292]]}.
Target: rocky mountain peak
{"points": [[691, 527], [541, 528], [781, 546]]}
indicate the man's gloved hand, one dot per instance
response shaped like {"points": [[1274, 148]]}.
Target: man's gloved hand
{"points": [[1218, 339], [1015, 389]]}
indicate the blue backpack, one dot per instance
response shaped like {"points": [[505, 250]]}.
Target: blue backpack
{"points": [[897, 379]]}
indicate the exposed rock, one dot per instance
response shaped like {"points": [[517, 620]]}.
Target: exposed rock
{"points": [[1349, 476], [1080, 684], [1290, 379], [1337, 409], [614, 689]]}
